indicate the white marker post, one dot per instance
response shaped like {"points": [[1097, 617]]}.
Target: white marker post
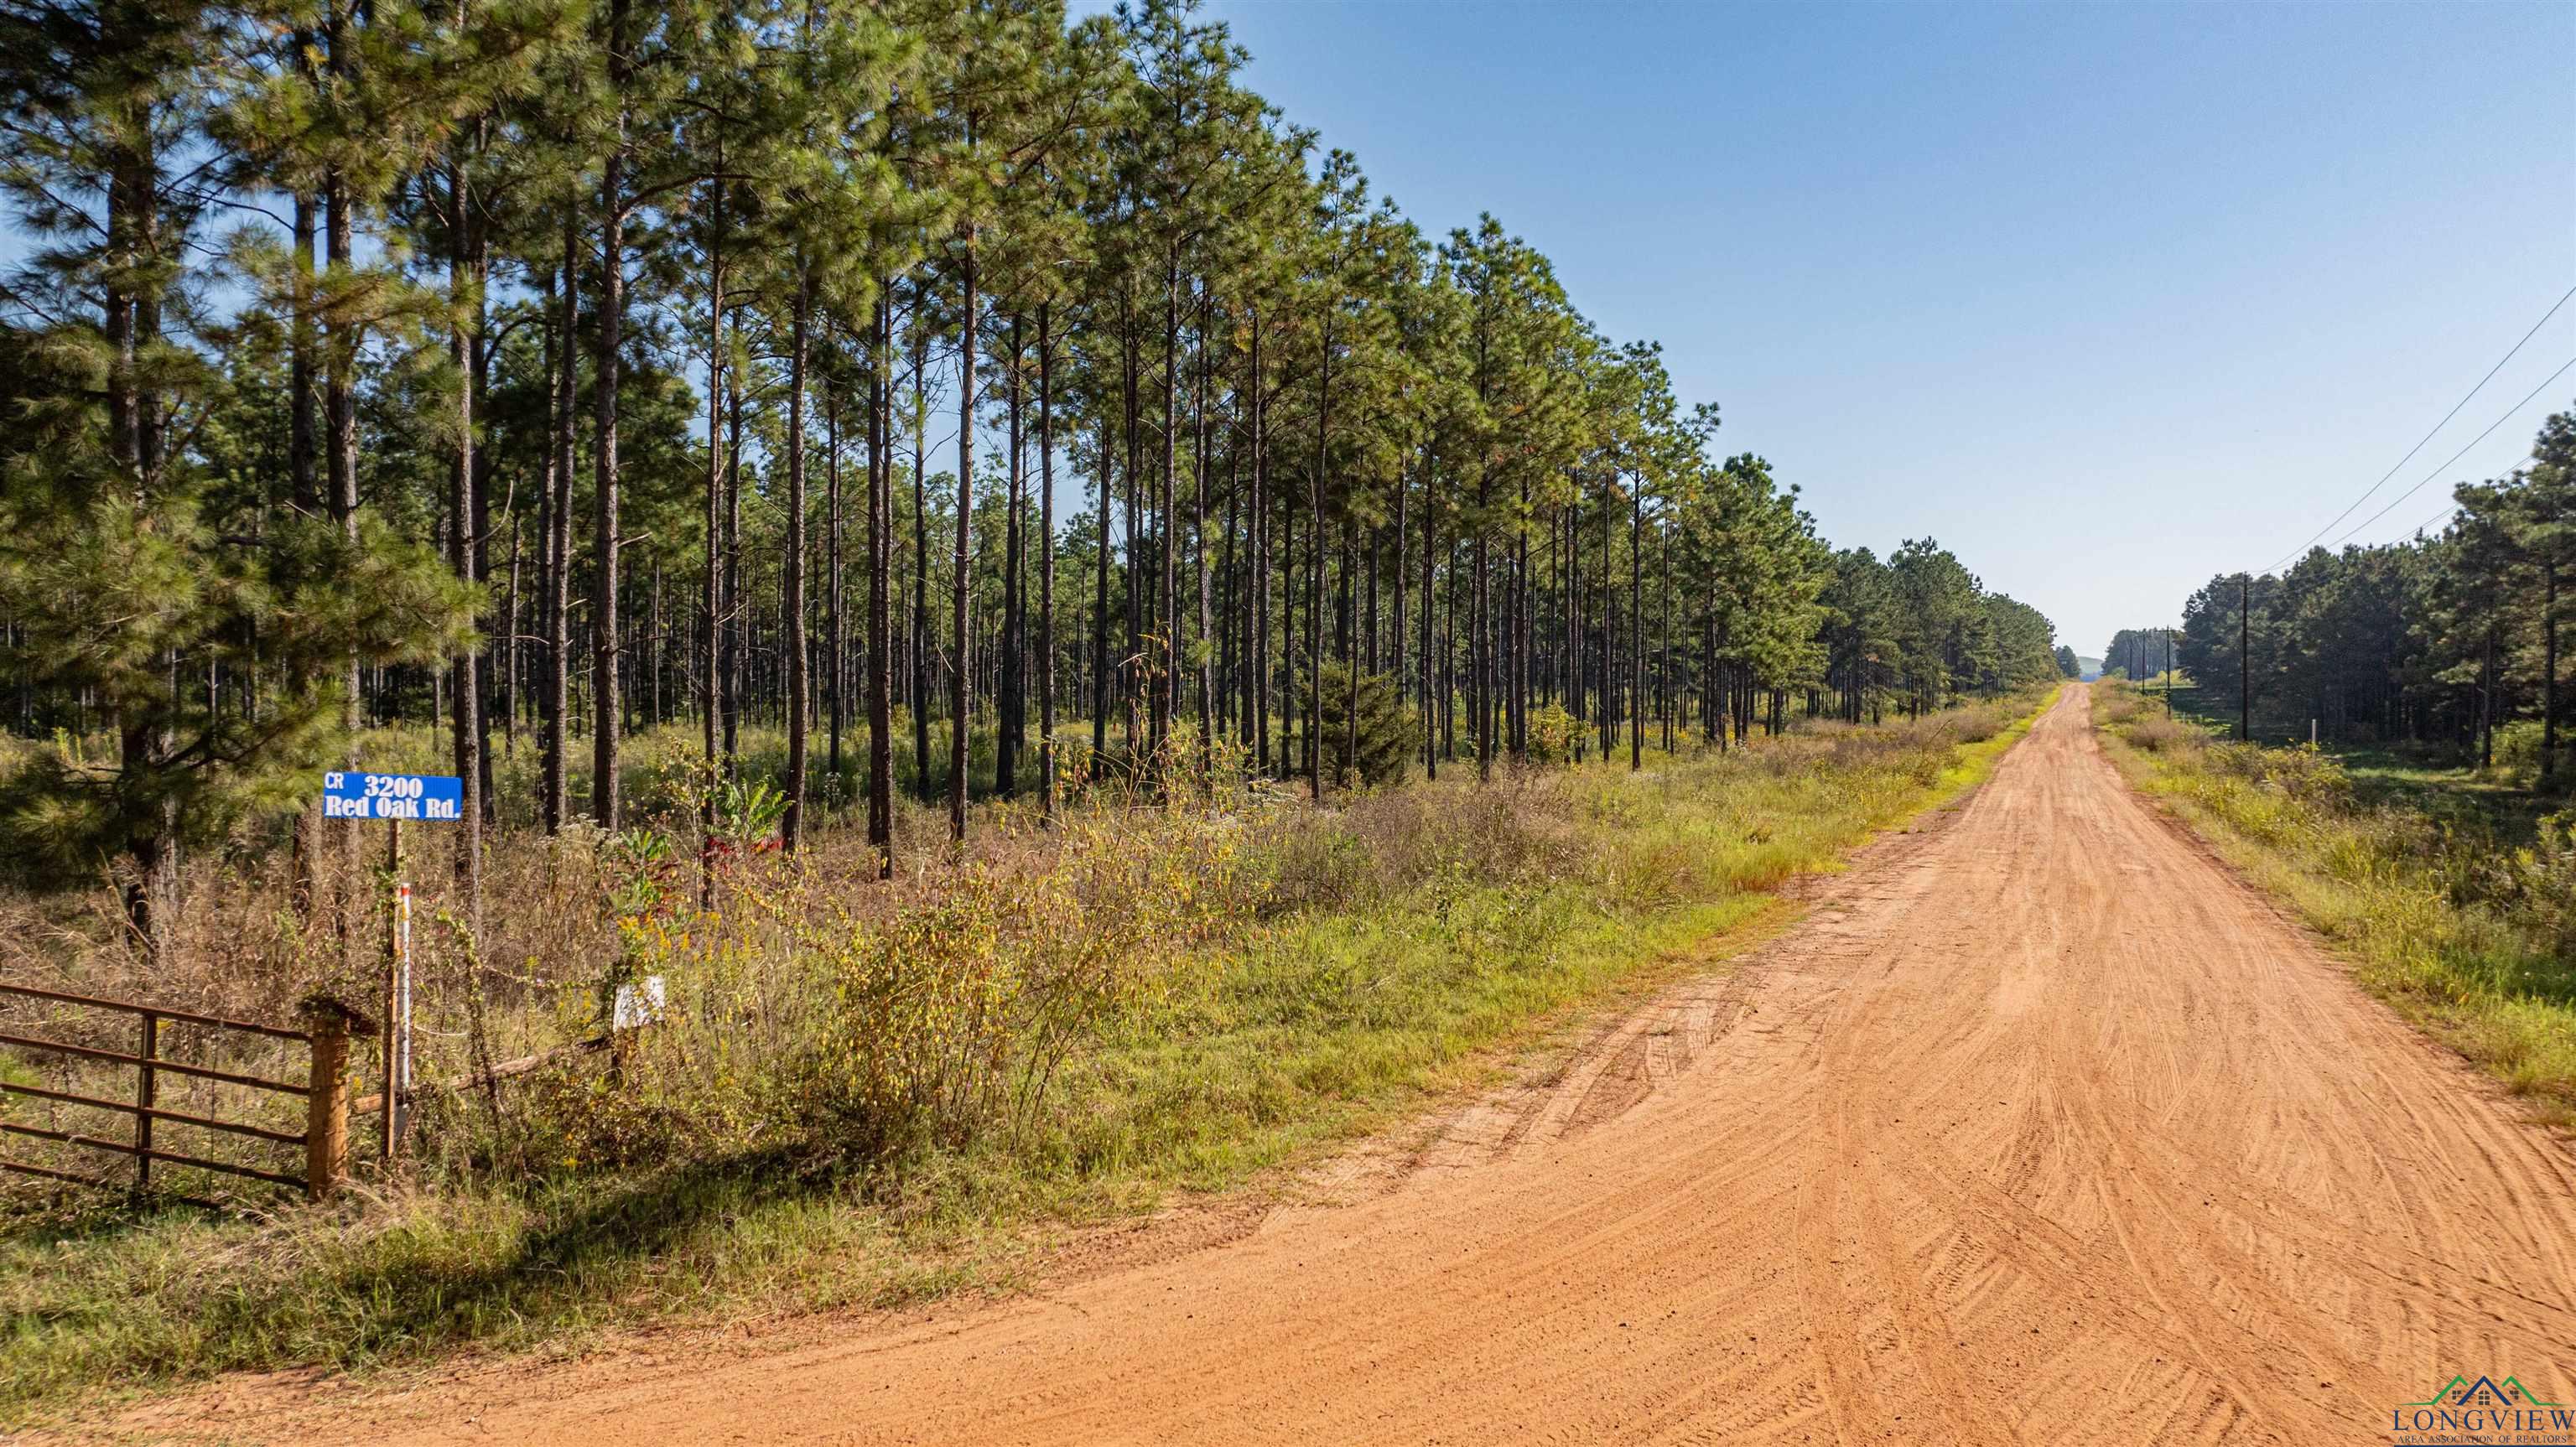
{"points": [[398, 1096]]}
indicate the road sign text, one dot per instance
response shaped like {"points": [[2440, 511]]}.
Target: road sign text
{"points": [[392, 796]]}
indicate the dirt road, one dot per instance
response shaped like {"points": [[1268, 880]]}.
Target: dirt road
{"points": [[2042, 1128]]}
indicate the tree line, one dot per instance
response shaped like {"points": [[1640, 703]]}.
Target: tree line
{"points": [[2439, 639], [2142, 653], [988, 402]]}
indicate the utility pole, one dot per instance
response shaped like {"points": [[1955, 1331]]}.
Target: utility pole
{"points": [[2244, 664]]}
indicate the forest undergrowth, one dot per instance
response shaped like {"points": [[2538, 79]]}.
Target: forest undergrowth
{"points": [[863, 1094]]}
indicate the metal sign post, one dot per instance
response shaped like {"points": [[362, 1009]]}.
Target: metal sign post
{"points": [[395, 798]]}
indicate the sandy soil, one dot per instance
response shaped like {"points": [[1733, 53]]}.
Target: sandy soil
{"points": [[2041, 1128]]}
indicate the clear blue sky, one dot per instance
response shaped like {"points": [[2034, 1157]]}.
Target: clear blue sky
{"points": [[2108, 298]]}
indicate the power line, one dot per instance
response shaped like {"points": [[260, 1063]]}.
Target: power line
{"points": [[2463, 452], [2443, 516], [2427, 437], [2448, 509]]}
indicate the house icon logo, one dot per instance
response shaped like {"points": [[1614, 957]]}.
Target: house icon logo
{"points": [[2481, 1410], [2484, 1392]]}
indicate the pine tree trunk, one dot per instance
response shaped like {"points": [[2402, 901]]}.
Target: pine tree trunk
{"points": [[1166, 594], [2486, 701], [1664, 648], [1430, 604], [302, 343], [1342, 570], [1046, 563], [304, 483], [1231, 591], [1369, 630], [1007, 738], [1480, 644], [340, 417], [1350, 671], [1315, 560], [791, 821], [477, 384], [652, 650], [960, 690], [607, 698], [1287, 633], [1575, 611], [710, 583], [1609, 711], [464, 544], [511, 628], [880, 568], [836, 673], [735, 647], [1636, 628], [1130, 569], [922, 776], [1201, 675], [1518, 694], [132, 326], [558, 601], [1100, 673], [1397, 583], [1257, 659], [2549, 669]]}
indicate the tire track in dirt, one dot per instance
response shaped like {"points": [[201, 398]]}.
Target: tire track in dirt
{"points": [[2042, 1127]]}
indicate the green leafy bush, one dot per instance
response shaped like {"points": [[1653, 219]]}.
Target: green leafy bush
{"points": [[1554, 734]]}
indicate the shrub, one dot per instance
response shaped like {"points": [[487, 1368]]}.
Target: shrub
{"points": [[1554, 735], [2160, 735], [1385, 737]]}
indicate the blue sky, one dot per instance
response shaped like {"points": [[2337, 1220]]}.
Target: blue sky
{"points": [[2108, 298]]}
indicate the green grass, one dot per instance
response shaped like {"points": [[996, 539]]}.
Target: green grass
{"points": [[2498, 801], [2439, 782], [2436, 779], [2446, 891], [1427, 937]]}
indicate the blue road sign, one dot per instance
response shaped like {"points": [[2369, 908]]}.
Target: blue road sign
{"points": [[392, 796]]}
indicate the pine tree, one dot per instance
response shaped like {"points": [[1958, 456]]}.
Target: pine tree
{"points": [[607, 298], [118, 566]]}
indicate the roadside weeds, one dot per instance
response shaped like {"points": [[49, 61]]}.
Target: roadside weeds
{"points": [[2458, 931], [1341, 1018]]}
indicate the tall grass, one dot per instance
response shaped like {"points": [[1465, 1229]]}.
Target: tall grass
{"points": [[859, 1093], [2441, 913]]}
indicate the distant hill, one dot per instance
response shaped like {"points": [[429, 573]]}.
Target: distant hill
{"points": [[2088, 669]]}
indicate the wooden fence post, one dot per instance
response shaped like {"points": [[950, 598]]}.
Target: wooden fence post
{"points": [[326, 1101]]}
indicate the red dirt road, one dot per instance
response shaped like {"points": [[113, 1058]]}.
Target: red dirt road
{"points": [[2042, 1128]]}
